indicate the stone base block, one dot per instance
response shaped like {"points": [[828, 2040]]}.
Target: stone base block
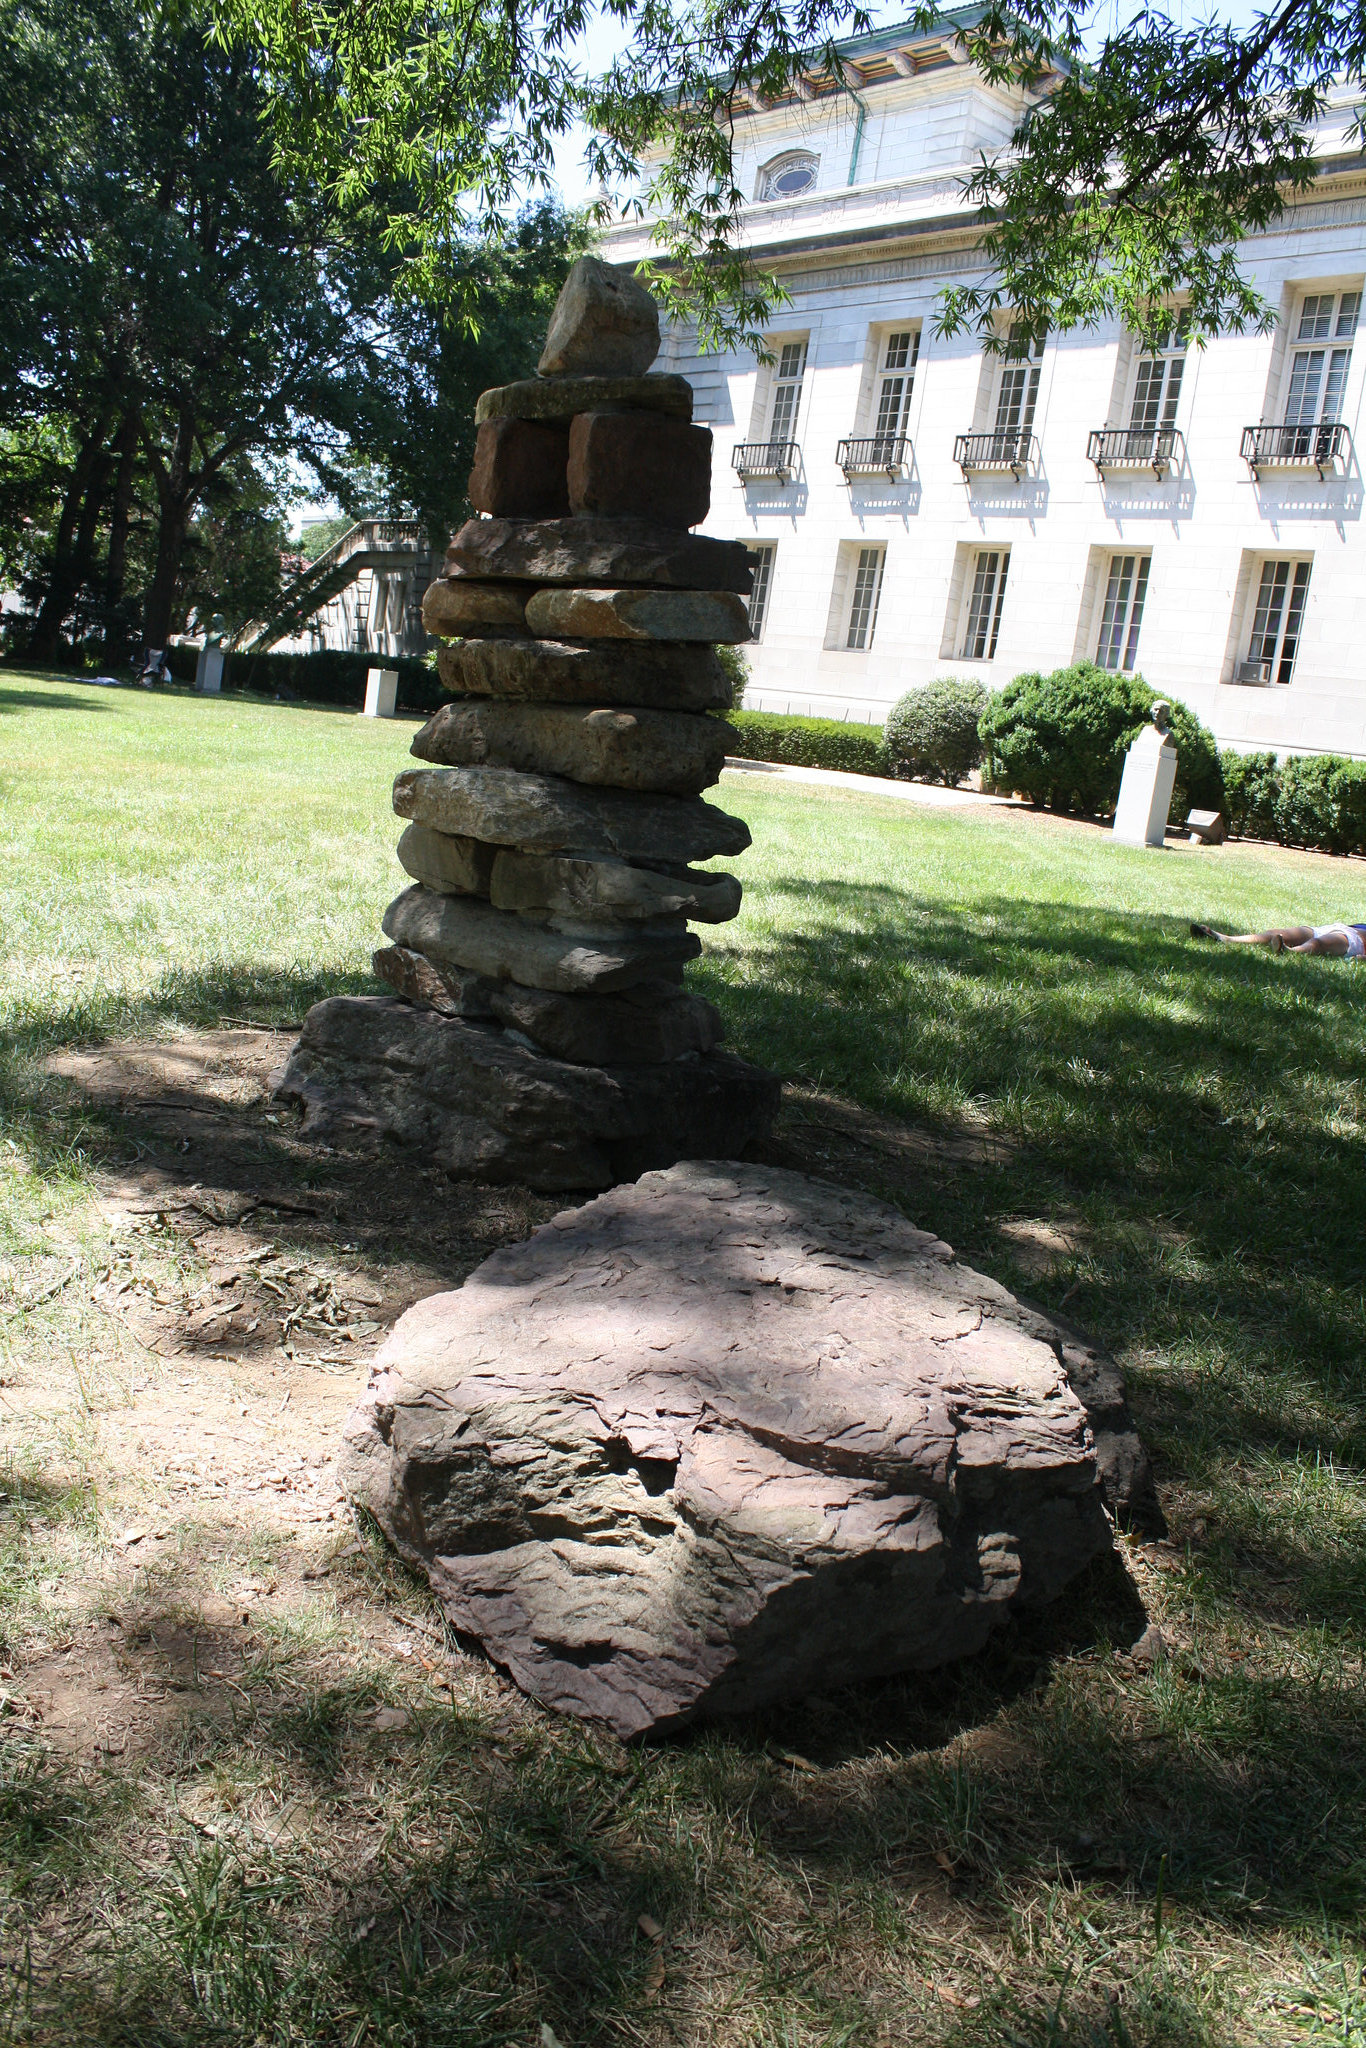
{"points": [[473, 1102], [521, 469]]}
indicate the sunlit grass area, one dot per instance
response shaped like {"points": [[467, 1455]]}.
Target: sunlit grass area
{"points": [[1055, 1847]]}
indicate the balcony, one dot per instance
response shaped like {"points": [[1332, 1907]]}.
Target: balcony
{"points": [[886, 455], [1323, 445], [1016, 452], [766, 458], [1159, 449]]}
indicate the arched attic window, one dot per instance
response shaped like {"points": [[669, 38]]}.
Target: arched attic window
{"points": [[788, 175]]}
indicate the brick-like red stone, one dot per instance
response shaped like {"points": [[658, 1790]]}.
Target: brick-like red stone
{"points": [[520, 469], [640, 465]]}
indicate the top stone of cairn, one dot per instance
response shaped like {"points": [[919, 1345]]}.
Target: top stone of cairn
{"points": [[603, 325]]}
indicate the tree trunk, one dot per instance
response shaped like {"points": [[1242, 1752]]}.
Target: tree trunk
{"points": [[120, 510], [69, 569], [176, 495]]}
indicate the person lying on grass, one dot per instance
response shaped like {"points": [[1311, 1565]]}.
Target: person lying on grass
{"points": [[1339, 941]]}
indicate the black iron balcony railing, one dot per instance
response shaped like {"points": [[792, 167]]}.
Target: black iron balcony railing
{"points": [[1298, 444], [873, 455], [766, 458], [1015, 452], [1156, 448]]}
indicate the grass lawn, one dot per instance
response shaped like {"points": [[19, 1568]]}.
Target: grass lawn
{"points": [[1057, 1846]]}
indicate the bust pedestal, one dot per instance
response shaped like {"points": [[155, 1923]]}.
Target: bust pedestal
{"points": [[1145, 794]]}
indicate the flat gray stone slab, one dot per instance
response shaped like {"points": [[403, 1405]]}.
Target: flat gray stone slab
{"points": [[665, 678], [543, 814], [462, 931], [725, 1437], [560, 398], [677, 753], [588, 549]]}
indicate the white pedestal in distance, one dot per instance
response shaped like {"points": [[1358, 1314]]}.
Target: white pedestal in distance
{"points": [[1145, 793], [381, 692], [208, 671]]}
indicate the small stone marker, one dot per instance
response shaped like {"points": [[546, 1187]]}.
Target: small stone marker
{"points": [[732, 1436], [1206, 828], [381, 693], [1145, 792], [208, 671]]}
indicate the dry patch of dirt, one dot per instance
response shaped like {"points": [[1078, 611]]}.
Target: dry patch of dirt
{"points": [[248, 1280]]}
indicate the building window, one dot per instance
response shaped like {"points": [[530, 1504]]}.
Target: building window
{"points": [[787, 391], [863, 601], [985, 598], [787, 177], [1017, 393], [897, 377], [1122, 613], [1277, 619], [1318, 375], [761, 562], [1157, 387]]}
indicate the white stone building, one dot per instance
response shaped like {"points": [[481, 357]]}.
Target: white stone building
{"points": [[921, 508]]}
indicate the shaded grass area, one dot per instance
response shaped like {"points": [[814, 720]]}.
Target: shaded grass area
{"points": [[1058, 1843]]}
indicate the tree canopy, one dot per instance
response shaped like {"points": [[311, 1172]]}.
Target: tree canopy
{"points": [[1144, 153], [189, 320]]}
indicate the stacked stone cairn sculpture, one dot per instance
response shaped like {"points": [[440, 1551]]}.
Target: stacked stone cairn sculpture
{"points": [[540, 1031]]}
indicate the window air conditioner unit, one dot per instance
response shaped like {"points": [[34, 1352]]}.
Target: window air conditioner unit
{"points": [[1253, 672]]}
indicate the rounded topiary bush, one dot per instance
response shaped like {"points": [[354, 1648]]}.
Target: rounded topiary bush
{"points": [[1061, 739], [932, 732]]}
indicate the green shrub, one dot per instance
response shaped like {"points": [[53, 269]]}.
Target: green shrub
{"points": [[1251, 786], [1060, 740], [932, 732], [1314, 800], [812, 742], [736, 664]]}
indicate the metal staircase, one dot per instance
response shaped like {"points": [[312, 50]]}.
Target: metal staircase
{"points": [[386, 547]]}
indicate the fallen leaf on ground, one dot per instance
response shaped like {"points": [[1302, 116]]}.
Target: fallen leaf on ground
{"points": [[654, 1975], [951, 1997], [945, 1862], [650, 1928], [391, 1717]]}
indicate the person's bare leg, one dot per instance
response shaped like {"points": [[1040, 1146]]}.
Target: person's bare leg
{"points": [[1297, 937], [1333, 944]]}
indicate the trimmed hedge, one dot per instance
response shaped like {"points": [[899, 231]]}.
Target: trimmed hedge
{"points": [[1316, 800], [333, 676], [812, 742], [1060, 741]]}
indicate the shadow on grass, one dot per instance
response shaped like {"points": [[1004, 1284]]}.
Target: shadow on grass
{"points": [[45, 700], [1194, 1113]]}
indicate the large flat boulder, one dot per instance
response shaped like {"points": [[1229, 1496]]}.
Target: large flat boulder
{"points": [[724, 1437]]}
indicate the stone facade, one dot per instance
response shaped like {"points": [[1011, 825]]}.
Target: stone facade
{"points": [[1213, 540]]}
